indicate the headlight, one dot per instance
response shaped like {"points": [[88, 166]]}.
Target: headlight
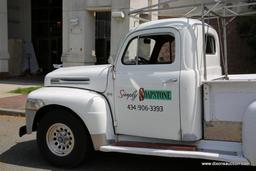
{"points": [[34, 104]]}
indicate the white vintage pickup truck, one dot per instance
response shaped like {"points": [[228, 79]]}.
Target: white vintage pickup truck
{"points": [[153, 100]]}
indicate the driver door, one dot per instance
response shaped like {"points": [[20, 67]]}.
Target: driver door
{"points": [[147, 85]]}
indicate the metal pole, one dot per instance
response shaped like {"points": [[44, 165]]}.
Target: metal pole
{"points": [[170, 8], [190, 11], [204, 47], [225, 45], [210, 10], [221, 42], [141, 10]]}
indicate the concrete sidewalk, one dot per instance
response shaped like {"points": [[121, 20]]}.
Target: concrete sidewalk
{"points": [[12, 103]]}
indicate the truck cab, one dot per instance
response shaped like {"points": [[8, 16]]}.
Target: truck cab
{"points": [[153, 100]]}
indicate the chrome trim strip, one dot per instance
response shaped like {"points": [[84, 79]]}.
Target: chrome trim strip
{"points": [[73, 80]]}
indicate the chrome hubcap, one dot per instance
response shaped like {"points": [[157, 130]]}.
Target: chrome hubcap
{"points": [[60, 139]]}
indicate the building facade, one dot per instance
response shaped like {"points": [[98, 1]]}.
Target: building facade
{"points": [[4, 54], [77, 32]]}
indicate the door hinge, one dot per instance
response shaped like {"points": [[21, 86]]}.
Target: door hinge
{"points": [[113, 72]]}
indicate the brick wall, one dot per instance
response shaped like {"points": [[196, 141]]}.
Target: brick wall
{"points": [[241, 57]]}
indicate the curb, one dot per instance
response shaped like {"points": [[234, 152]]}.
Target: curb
{"points": [[12, 112]]}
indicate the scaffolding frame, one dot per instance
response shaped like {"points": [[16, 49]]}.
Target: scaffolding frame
{"points": [[221, 10]]}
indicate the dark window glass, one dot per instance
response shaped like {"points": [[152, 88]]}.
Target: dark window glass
{"points": [[210, 45], [151, 49]]}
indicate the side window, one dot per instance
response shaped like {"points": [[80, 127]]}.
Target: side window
{"points": [[130, 54], [150, 49], [210, 45]]}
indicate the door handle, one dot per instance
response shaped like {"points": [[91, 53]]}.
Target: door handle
{"points": [[172, 80]]}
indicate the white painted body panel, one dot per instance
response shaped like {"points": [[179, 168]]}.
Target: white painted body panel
{"points": [[227, 100], [91, 107], [249, 138], [85, 77]]}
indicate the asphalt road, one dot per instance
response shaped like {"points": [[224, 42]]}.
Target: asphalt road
{"points": [[22, 154]]}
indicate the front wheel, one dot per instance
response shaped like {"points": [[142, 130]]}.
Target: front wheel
{"points": [[62, 139]]}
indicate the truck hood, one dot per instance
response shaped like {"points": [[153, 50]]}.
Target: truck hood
{"points": [[85, 77]]}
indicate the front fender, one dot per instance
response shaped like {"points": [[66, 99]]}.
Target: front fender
{"points": [[249, 133], [90, 106]]}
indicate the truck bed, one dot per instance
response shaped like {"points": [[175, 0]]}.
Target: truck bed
{"points": [[225, 102]]}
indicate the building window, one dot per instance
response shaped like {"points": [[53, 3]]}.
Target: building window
{"points": [[151, 49], [210, 45], [102, 36]]}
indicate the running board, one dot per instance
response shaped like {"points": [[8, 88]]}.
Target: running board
{"points": [[176, 153], [158, 146]]}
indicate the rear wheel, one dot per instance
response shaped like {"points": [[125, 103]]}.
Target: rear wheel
{"points": [[62, 139]]}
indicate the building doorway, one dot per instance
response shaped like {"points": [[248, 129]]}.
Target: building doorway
{"points": [[47, 32], [102, 37]]}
